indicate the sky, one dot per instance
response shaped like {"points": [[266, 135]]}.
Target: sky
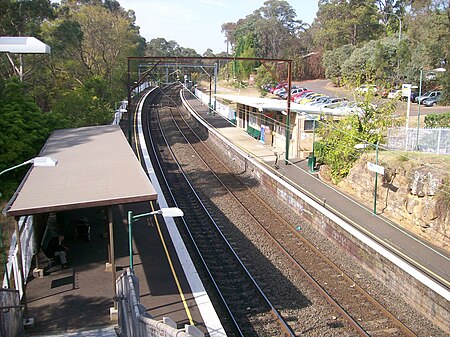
{"points": [[197, 23]]}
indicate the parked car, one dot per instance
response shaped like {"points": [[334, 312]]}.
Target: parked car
{"points": [[303, 96], [309, 98], [432, 100], [300, 94], [279, 92], [332, 101], [319, 100], [293, 92], [428, 94], [347, 108], [278, 86], [365, 88], [395, 94]]}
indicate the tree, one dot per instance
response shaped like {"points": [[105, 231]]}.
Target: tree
{"points": [[333, 61], [228, 29], [340, 23], [336, 147], [208, 53], [360, 66], [23, 17], [23, 131], [269, 32], [161, 47], [88, 39], [85, 105]]}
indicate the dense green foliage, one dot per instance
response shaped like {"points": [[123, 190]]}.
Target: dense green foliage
{"points": [[438, 120], [24, 130], [380, 55], [336, 146]]}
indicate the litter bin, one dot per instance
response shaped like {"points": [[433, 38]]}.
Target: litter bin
{"points": [[311, 162]]}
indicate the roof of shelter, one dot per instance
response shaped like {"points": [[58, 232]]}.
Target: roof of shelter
{"points": [[96, 167], [263, 103], [23, 45]]}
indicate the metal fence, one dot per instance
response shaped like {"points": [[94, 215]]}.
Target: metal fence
{"points": [[426, 140], [222, 109], [10, 314], [134, 321], [28, 250]]}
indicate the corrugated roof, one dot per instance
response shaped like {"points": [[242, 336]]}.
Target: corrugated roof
{"points": [[96, 167]]}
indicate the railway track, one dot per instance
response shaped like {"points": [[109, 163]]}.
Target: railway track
{"points": [[280, 284], [249, 312]]}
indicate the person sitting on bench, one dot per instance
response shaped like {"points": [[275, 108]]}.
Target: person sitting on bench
{"points": [[55, 247]]}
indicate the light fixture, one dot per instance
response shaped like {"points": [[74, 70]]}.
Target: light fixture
{"points": [[170, 212], [44, 162]]}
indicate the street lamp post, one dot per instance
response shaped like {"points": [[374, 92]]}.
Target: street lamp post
{"points": [[171, 212], [399, 24], [399, 39], [312, 159], [419, 100], [39, 162], [376, 182]]}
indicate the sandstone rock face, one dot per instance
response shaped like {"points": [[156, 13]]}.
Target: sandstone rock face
{"points": [[413, 193]]}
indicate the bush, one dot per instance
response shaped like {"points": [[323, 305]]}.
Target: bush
{"points": [[438, 120]]}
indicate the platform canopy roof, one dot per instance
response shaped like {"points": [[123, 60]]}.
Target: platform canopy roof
{"points": [[270, 104], [22, 45], [96, 167]]}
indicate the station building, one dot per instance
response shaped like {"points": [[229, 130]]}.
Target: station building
{"points": [[266, 120]]}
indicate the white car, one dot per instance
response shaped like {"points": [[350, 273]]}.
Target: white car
{"points": [[395, 94], [365, 88]]}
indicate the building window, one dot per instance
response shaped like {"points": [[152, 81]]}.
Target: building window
{"points": [[309, 125]]}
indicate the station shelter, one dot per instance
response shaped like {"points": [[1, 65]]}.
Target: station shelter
{"points": [[96, 169], [265, 119]]}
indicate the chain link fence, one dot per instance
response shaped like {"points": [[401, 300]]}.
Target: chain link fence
{"points": [[425, 140]]}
